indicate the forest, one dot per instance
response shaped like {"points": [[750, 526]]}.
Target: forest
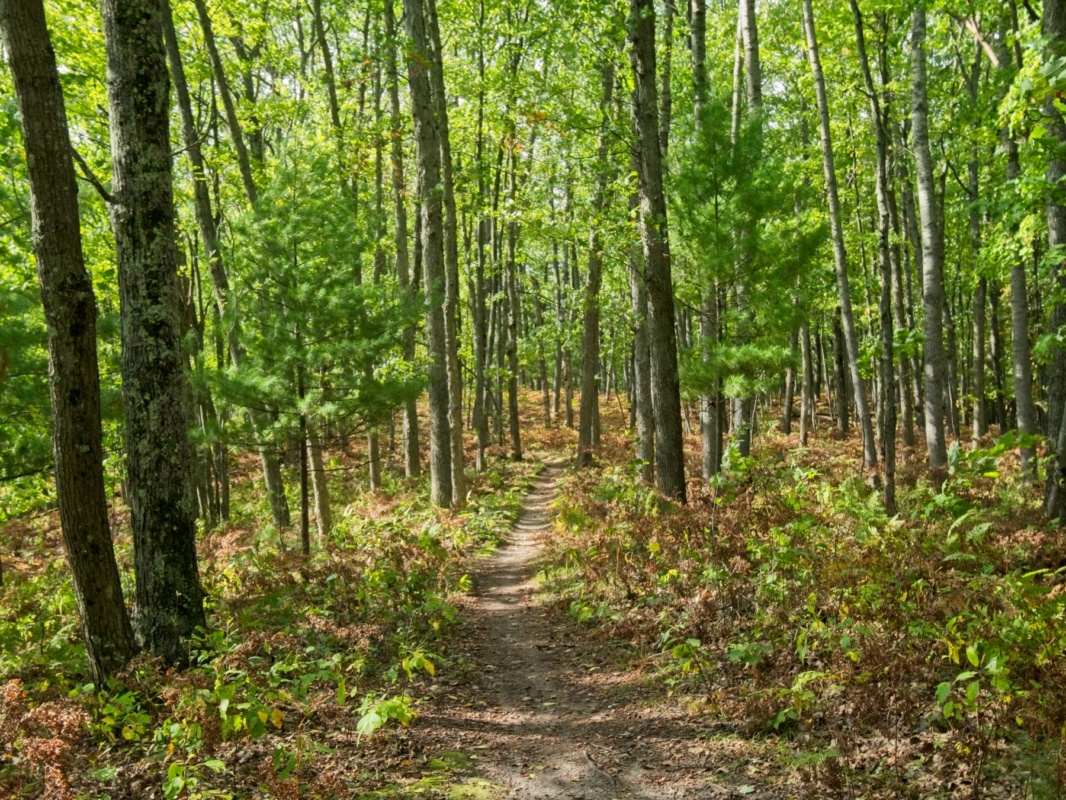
{"points": [[506, 398]]}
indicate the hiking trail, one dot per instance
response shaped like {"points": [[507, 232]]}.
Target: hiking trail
{"points": [[547, 713]]}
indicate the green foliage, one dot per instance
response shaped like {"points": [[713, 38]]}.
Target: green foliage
{"points": [[794, 592]]}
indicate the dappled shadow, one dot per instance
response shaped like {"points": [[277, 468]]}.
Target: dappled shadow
{"points": [[542, 712]]}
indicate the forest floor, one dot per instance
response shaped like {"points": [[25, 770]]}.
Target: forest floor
{"points": [[546, 712], [571, 635]]}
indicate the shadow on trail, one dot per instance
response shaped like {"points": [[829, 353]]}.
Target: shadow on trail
{"points": [[541, 715]]}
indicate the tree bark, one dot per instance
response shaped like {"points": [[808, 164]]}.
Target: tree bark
{"points": [[155, 390], [70, 311], [887, 417], [427, 139], [1053, 27], [320, 487], [807, 401], [935, 366], [513, 312], [840, 260], [451, 257], [666, 390], [710, 402]]}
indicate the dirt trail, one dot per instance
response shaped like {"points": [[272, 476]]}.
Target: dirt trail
{"points": [[544, 715]]}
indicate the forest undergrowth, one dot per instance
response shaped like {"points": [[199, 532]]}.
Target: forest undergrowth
{"points": [[853, 654], [915, 656], [303, 659]]}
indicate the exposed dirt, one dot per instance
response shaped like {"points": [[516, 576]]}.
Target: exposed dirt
{"points": [[543, 714]]}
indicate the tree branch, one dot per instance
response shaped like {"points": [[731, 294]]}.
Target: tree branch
{"points": [[88, 174], [971, 25]]}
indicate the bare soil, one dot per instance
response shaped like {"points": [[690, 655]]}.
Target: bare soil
{"points": [[548, 713]]}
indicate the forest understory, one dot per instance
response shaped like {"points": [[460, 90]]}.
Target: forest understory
{"points": [[777, 637], [584, 399]]}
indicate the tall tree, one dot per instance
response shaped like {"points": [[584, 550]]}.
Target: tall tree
{"points": [[710, 430], [840, 259], [70, 310], [427, 140], [665, 383], [159, 455], [451, 255], [932, 252], [1053, 27], [887, 381]]}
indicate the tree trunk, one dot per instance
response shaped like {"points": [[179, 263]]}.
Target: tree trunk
{"points": [[932, 257], [320, 486], [807, 402], [427, 139], [154, 387], [219, 72], [710, 430], [590, 339], [887, 417], [451, 257], [666, 390], [906, 379], [514, 310], [840, 261], [789, 398], [70, 311], [1053, 28], [840, 375]]}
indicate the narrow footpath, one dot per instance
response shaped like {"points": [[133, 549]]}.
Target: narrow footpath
{"points": [[548, 714]]}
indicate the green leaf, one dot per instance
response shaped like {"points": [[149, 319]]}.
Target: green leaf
{"points": [[105, 774], [943, 691], [369, 723]]}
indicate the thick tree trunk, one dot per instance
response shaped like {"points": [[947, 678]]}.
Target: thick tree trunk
{"points": [[1054, 28], [912, 263], [451, 257], [427, 139], [666, 391], [840, 260], [588, 419], [752, 65], [154, 387], [70, 311], [932, 256]]}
